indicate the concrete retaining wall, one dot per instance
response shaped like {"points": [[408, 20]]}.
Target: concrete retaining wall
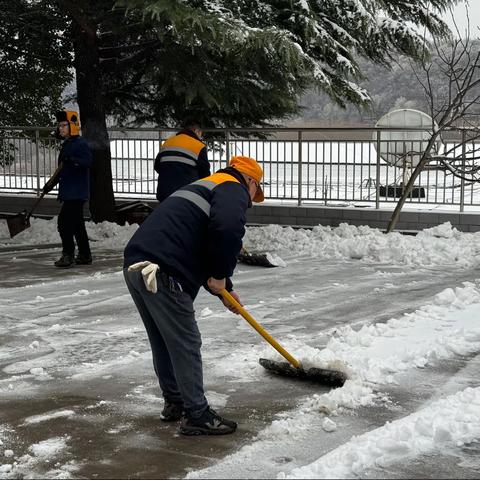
{"points": [[410, 220], [305, 216]]}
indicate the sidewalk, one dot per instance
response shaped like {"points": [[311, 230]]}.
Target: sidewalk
{"points": [[78, 394]]}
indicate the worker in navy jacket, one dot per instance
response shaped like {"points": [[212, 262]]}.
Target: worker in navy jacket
{"points": [[75, 159], [182, 159], [191, 239]]}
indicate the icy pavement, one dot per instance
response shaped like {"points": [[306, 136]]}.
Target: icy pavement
{"points": [[79, 399]]}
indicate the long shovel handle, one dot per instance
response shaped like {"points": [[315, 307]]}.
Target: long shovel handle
{"points": [[53, 177], [29, 214], [260, 329]]}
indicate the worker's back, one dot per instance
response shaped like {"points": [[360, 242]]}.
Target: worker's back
{"points": [[182, 160]]}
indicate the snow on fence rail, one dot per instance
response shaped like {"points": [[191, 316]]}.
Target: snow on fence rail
{"points": [[311, 165]]}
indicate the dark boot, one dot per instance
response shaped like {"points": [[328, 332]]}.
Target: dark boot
{"points": [[210, 423], [83, 259], [172, 412], [65, 261]]}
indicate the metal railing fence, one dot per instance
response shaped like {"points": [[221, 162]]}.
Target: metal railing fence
{"points": [[328, 166]]}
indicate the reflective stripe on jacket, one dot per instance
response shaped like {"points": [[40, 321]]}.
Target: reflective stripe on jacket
{"points": [[182, 159], [196, 233]]}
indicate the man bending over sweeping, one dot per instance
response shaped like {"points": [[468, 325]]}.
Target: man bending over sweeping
{"points": [[75, 159], [191, 239]]}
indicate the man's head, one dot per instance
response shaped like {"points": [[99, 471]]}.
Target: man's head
{"points": [[193, 125], [68, 123], [252, 173]]}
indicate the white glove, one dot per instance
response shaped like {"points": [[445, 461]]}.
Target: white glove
{"points": [[149, 274]]}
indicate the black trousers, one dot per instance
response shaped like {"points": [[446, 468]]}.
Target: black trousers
{"points": [[71, 224]]}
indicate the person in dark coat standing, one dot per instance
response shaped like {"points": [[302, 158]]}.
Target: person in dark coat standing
{"points": [[182, 160], [75, 158], [191, 239]]}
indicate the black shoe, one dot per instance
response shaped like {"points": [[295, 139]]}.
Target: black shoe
{"points": [[82, 259], [172, 412], [65, 261], [210, 423]]}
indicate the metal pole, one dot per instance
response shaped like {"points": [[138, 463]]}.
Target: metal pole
{"points": [[462, 181], [299, 168], [37, 160], [377, 181], [227, 150]]}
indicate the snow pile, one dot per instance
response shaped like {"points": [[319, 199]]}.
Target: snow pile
{"points": [[373, 354], [449, 422], [435, 246], [105, 234], [441, 245]]}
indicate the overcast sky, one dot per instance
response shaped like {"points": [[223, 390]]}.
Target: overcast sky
{"points": [[461, 18]]}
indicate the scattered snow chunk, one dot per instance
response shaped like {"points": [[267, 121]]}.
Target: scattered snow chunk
{"points": [[81, 292], [50, 447], [205, 312], [329, 425]]}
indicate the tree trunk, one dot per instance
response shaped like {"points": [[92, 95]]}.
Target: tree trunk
{"points": [[93, 123], [406, 192]]}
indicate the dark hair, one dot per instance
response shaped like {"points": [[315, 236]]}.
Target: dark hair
{"points": [[191, 123]]}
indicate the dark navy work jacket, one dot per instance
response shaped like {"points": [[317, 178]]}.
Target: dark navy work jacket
{"points": [[182, 160], [196, 233], [74, 180]]}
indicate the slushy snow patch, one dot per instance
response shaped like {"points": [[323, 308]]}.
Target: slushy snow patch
{"points": [[48, 416]]}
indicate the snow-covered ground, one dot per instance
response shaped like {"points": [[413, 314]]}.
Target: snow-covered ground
{"points": [[399, 314]]}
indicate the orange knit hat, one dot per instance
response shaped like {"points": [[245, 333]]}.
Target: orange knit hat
{"points": [[250, 167]]}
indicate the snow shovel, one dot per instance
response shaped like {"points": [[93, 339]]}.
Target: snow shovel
{"points": [[257, 259], [21, 221], [293, 368]]}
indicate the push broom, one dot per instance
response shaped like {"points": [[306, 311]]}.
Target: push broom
{"points": [[291, 368]]}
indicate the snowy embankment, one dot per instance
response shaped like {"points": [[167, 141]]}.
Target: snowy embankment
{"points": [[376, 356], [104, 235], [441, 245]]}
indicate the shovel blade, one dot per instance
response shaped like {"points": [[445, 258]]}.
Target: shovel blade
{"points": [[334, 378], [18, 223], [257, 259]]}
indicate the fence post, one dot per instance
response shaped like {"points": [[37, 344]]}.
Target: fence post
{"points": [[462, 181], [299, 168], [377, 180], [37, 159], [227, 150]]}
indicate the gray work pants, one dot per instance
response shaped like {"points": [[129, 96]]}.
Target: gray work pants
{"points": [[175, 340]]}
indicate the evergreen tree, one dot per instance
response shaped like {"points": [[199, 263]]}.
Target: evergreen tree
{"points": [[33, 67], [230, 62]]}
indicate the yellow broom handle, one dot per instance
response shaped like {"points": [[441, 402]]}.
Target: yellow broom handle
{"points": [[260, 329]]}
